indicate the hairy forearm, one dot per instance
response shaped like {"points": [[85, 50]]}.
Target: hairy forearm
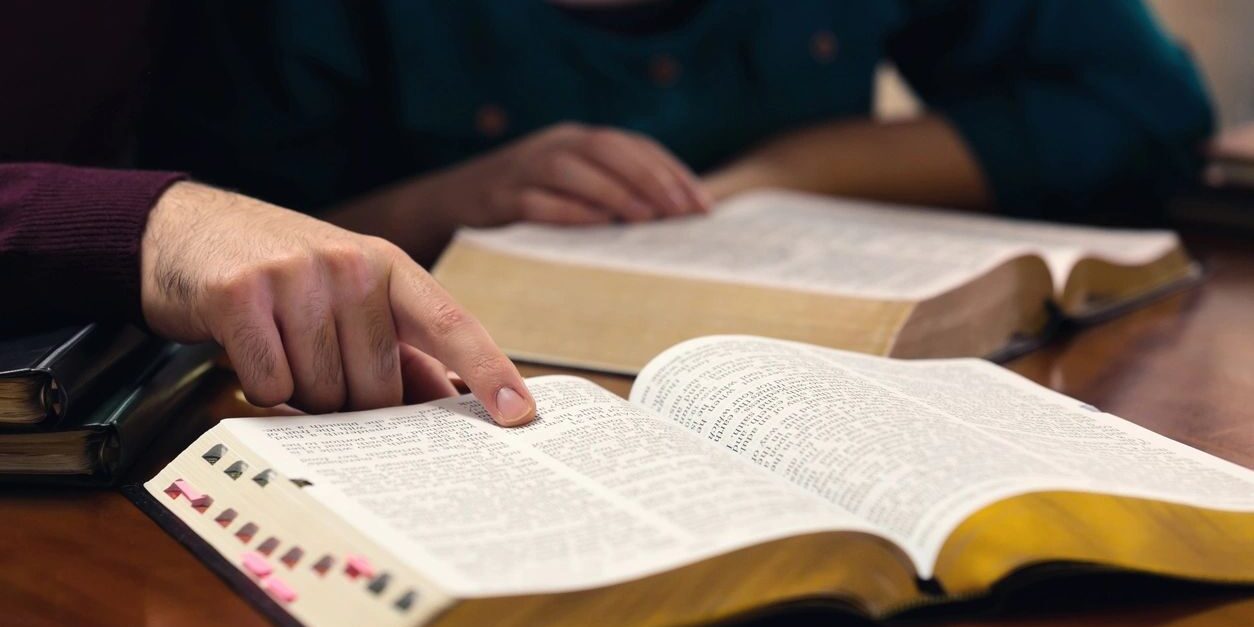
{"points": [[921, 161]]}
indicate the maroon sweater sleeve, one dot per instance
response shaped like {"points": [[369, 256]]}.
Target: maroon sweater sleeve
{"points": [[69, 241]]}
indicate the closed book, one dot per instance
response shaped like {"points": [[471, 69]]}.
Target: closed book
{"points": [[43, 375], [93, 446]]}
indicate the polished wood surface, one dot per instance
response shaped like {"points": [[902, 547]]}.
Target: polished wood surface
{"points": [[1182, 366]]}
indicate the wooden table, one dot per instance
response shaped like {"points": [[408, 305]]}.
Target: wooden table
{"points": [[1183, 366]]}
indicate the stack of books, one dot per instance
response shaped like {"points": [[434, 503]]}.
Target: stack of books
{"points": [[78, 403]]}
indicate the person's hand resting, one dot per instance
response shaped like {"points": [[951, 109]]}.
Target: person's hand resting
{"points": [[566, 174], [572, 174], [310, 313]]}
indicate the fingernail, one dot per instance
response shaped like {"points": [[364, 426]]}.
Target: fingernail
{"points": [[511, 408]]}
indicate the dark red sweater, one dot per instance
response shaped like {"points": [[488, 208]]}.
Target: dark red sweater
{"points": [[72, 76]]}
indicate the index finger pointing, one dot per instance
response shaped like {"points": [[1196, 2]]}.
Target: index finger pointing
{"points": [[429, 319]]}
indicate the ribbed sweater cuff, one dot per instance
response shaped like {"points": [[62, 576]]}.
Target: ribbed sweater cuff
{"points": [[70, 238]]}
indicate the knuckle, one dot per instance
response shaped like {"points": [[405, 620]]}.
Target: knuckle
{"points": [[231, 290], [382, 247], [244, 284], [423, 286], [383, 347], [485, 366], [251, 351], [554, 166], [265, 392], [290, 265], [345, 260], [350, 269], [448, 319]]}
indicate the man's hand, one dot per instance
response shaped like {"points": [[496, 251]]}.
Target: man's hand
{"points": [[565, 174], [310, 313], [572, 174]]}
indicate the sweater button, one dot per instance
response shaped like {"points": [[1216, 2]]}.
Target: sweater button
{"points": [[664, 70], [491, 121], [823, 46]]}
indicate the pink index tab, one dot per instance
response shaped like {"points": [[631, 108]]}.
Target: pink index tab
{"points": [[358, 566], [197, 498], [279, 589], [173, 490], [182, 487], [256, 564]]}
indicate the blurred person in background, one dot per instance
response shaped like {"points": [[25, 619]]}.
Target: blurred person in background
{"points": [[408, 119]]}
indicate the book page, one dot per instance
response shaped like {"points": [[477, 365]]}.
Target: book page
{"points": [[596, 491], [915, 447], [814, 243]]}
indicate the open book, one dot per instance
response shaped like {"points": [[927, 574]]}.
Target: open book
{"points": [[742, 473], [861, 276]]}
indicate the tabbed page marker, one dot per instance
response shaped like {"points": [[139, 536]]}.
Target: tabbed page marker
{"points": [[278, 589], [256, 564], [358, 566], [181, 487]]}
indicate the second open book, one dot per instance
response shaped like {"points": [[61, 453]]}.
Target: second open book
{"points": [[741, 473], [855, 275]]}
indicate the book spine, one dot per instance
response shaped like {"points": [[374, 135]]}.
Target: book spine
{"points": [[135, 420], [78, 369]]}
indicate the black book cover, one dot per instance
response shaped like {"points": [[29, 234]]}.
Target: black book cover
{"points": [[70, 367], [123, 424]]}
